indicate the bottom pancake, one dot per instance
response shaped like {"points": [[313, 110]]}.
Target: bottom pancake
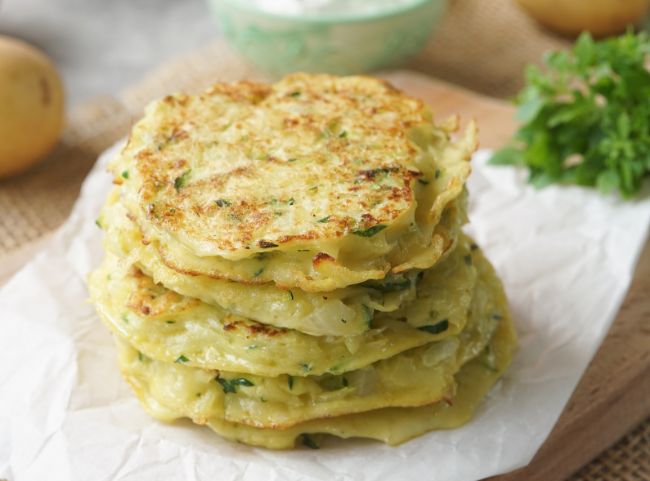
{"points": [[390, 425]]}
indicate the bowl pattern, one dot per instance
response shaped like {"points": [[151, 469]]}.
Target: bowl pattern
{"points": [[279, 45]]}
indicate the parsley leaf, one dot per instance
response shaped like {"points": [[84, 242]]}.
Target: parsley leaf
{"points": [[392, 284], [223, 203], [308, 441], [586, 116], [436, 328], [230, 386], [369, 232], [181, 180]]}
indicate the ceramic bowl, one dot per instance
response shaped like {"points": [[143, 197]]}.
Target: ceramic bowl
{"points": [[334, 43]]}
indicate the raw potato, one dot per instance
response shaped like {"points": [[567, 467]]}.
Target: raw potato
{"points": [[31, 106], [600, 17]]}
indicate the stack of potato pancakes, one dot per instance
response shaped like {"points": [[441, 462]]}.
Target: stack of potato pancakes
{"points": [[287, 260]]}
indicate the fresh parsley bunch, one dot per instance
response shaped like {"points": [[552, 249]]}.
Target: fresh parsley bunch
{"points": [[586, 116]]}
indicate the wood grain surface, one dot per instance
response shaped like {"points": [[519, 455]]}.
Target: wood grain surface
{"points": [[614, 393]]}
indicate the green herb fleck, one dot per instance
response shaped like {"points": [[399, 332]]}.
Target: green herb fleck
{"points": [[343, 135], [344, 381], [291, 201], [258, 272], [291, 295], [474, 247], [230, 386], [586, 117], [369, 232], [306, 366], [324, 219], [141, 357], [226, 386], [497, 317], [125, 317], [368, 314], [437, 328], [392, 285], [344, 321], [468, 259], [125, 174], [308, 441], [335, 368], [290, 382], [423, 181], [170, 321], [437, 173], [372, 173], [295, 94], [223, 203], [181, 359], [181, 180], [98, 223], [242, 381]]}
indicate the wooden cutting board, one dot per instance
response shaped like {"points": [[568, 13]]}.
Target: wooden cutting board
{"points": [[614, 393]]}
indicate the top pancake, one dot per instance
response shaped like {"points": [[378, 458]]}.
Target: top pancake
{"points": [[326, 164]]}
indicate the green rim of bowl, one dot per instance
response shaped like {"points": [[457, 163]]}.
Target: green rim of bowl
{"points": [[320, 18]]}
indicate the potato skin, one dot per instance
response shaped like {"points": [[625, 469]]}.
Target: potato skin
{"points": [[600, 17], [31, 106]]}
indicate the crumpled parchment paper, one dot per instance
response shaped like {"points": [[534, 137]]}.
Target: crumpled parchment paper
{"points": [[566, 256]]}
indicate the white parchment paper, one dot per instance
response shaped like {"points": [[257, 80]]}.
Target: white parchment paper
{"points": [[566, 256]]}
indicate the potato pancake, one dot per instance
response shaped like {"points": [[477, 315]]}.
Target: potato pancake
{"points": [[165, 325], [316, 182], [390, 425]]}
